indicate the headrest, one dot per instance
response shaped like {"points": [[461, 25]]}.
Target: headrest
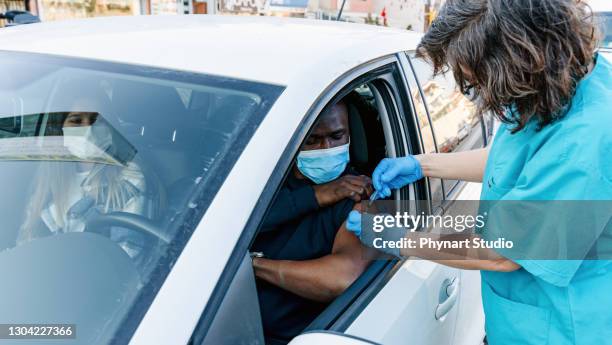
{"points": [[359, 140]]}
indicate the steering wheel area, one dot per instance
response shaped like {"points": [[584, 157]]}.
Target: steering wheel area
{"points": [[129, 221]]}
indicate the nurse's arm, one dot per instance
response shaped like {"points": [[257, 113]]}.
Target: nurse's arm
{"points": [[497, 265], [484, 259], [465, 165]]}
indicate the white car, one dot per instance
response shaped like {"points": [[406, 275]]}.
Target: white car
{"points": [[202, 117]]}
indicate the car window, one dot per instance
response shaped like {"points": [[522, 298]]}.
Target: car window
{"points": [[427, 136], [122, 158], [455, 122]]}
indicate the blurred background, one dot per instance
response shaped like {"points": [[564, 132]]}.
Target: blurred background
{"points": [[404, 14]]}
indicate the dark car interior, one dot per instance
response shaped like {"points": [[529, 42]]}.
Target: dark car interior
{"points": [[367, 146]]}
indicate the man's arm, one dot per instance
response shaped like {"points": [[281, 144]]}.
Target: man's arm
{"points": [[321, 279], [292, 204]]}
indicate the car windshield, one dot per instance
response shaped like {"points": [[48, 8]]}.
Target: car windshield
{"points": [[606, 22], [106, 170]]}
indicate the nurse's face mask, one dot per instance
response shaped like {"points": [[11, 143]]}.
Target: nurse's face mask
{"points": [[325, 165]]}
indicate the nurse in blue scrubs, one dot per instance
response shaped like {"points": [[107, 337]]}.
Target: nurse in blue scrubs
{"points": [[534, 65]]}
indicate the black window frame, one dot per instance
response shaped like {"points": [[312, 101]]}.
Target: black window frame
{"points": [[411, 73], [346, 308], [341, 313], [448, 194]]}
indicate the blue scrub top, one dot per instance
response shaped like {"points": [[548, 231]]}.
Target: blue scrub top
{"points": [[554, 301]]}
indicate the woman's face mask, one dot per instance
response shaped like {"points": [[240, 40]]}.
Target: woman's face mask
{"points": [[322, 166], [86, 142]]}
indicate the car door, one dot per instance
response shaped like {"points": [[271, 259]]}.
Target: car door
{"points": [[417, 301], [431, 100]]}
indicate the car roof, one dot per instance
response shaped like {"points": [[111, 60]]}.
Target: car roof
{"points": [[267, 49]]}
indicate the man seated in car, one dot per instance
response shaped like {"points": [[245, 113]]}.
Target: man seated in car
{"points": [[309, 257]]}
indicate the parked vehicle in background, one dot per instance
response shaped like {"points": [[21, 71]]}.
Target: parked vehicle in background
{"points": [[464, 130], [19, 17]]}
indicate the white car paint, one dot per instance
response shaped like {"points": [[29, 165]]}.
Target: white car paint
{"points": [[469, 327], [600, 5], [271, 50], [392, 317], [305, 56], [420, 282], [327, 338]]}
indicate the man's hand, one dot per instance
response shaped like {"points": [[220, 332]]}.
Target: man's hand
{"points": [[356, 188]]}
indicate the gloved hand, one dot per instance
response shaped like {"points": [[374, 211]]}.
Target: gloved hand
{"points": [[394, 173], [353, 222], [367, 235]]}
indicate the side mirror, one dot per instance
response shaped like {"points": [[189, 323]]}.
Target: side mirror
{"points": [[329, 338]]}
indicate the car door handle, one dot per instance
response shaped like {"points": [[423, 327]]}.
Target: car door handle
{"points": [[451, 291]]}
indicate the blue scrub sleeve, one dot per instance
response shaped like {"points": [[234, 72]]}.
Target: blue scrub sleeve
{"points": [[557, 213], [555, 272]]}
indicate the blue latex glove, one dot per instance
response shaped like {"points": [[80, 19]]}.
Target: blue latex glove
{"points": [[368, 237], [394, 173], [353, 222]]}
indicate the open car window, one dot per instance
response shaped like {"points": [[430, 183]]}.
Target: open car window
{"points": [[121, 158]]}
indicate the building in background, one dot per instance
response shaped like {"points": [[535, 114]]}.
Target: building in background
{"points": [[431, 11], [241, 7], [50, 10], [286, 8], [160, 7], [358, 11], [404, 14]]}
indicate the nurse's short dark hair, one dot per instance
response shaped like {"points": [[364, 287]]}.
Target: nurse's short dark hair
{"points": [[525, 56]]}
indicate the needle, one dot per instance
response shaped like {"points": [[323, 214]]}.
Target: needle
{"points": [[373, 197]]}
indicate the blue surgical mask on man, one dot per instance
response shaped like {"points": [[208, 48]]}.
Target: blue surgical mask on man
{"points": [[322, 166]]}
